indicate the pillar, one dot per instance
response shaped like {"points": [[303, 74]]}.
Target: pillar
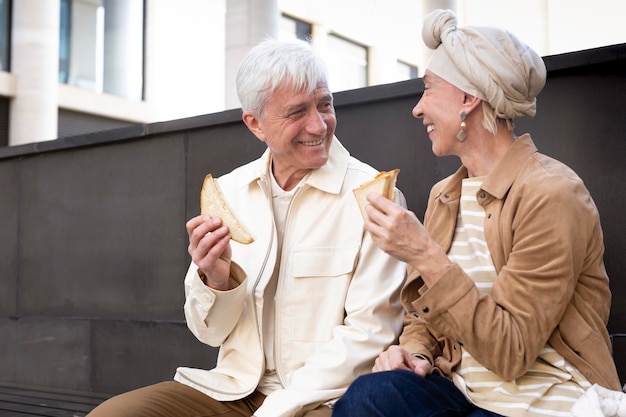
{"points": [[35, 64]]}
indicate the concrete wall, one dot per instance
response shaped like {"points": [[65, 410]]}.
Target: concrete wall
{"points": [[92, 237]]}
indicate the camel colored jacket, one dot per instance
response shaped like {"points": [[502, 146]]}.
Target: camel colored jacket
{"points": [[338, 297], [543, 231]]}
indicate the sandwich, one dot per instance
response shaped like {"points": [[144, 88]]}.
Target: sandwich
{"points": [[213, 203], [384, 183]]}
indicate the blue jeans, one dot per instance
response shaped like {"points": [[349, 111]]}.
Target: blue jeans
{"points": [[405, 394]]}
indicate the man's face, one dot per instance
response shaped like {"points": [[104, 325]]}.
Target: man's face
{"points": [[298, 128]]}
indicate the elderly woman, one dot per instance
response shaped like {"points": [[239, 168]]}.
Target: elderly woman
{"points": [[507, 297]]}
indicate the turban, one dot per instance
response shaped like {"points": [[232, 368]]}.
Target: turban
{"points": [[486, 62]]}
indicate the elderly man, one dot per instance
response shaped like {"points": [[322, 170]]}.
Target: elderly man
{"points": [[304, 309]]}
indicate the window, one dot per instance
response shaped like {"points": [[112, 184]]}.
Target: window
{"points": [[5, 30], [101, 46], [347, 61], [405, 71], [292, 28], [347, 64]]}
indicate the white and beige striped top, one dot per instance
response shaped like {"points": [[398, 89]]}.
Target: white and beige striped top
{"points": [[552, 385]]}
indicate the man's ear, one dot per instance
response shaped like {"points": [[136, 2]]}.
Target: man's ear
{"points": [[253, 124]]}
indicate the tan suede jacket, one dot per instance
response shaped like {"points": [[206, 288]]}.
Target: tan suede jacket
{"points": [[543, 231]]}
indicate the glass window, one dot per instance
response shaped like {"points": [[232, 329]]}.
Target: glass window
{"points": [[347, 64], [405, 71], [5, 30], [101, 46], [64, 42], [292, 28]]}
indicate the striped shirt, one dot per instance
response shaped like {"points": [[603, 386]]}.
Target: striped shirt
{"points": [[552, 385]]}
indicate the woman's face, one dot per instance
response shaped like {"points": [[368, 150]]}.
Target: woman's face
{"points": [[440, 109]]}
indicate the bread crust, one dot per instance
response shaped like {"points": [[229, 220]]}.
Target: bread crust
{"points": [[384, 183], [213, 203]]}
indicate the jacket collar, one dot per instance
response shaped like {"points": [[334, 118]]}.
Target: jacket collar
{"points": [[329, 178], [500, 180]]}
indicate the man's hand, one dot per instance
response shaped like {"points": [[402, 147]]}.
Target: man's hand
{"points": [[209, 247], [397, 358]]}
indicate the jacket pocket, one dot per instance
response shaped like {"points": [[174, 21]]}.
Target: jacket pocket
{"points": [[320, 285]]}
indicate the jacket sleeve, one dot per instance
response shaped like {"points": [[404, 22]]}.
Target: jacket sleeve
{"points": [[373, 320], [211, 315], [416, 337]]}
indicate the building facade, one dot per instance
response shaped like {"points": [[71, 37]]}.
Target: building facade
{"points": [[70, 67]]}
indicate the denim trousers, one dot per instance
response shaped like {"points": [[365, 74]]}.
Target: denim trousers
{"points": [[405, 394]]}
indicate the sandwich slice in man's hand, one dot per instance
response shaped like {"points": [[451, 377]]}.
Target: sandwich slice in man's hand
{"points": [[213, 203]]}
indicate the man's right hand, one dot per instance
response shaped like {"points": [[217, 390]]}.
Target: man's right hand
{"points": [[397, 358], [209, 248]]}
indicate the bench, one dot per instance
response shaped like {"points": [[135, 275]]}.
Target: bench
{"points": [[26, 400]]}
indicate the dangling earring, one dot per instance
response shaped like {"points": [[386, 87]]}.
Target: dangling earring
{"points": [[462, 135]]}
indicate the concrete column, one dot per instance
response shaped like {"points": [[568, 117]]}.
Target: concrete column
{"points": [[35, 64], [247, 23]]}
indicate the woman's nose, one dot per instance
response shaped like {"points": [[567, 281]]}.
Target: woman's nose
{"points": [[417, 110]]}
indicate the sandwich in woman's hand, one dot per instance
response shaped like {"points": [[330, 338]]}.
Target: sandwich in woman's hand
{"points": [[384, 184], [213, 203]]}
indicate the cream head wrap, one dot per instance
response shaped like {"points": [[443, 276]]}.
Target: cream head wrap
{"points": [[486, 62]]}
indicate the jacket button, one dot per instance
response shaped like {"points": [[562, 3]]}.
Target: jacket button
{"points": [[425, 309]]}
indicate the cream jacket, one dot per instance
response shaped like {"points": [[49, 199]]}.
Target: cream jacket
{"points": [[543, 232], [337, 302]]}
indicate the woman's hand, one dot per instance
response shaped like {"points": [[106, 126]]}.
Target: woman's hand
{"points": [[397, 358], [399, 233], [209, 247]]}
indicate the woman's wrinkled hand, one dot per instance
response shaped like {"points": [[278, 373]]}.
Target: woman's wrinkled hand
{"points": [[396, 358], [398, 232]]}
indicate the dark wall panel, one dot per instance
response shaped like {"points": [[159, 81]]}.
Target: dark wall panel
{"points": [[8, 349], [103, 231], [9, 207], [45, 351], [132, 354]]}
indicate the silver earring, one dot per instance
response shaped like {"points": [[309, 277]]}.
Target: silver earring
{"points": [[462, 135]]}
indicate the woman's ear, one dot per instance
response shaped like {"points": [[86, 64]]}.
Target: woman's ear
{"points": [[254, 125], [470, 102]]}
